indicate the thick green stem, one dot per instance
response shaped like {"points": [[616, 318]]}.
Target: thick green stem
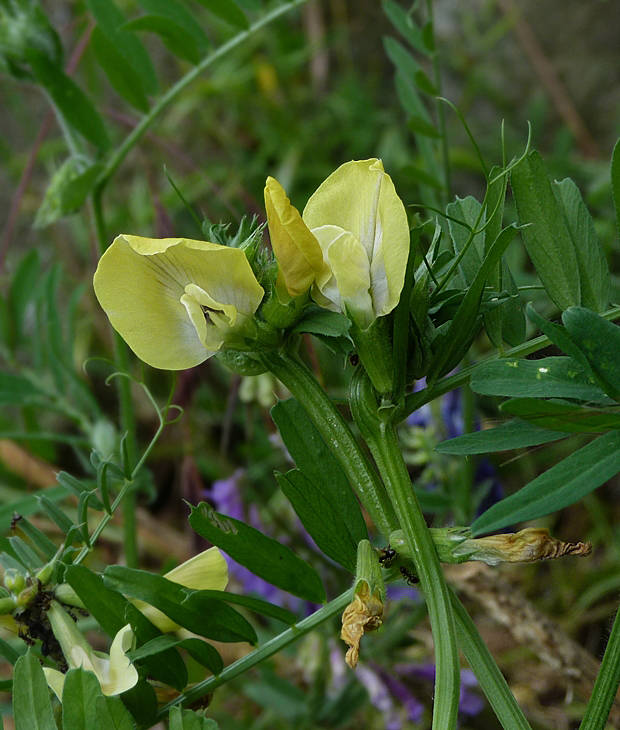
{"points": [[383, 443], [268, 649], [337, 435]]}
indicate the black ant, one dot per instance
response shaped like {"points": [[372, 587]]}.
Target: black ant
{"points": [[16, 518], [387, 556], [409, 576]]}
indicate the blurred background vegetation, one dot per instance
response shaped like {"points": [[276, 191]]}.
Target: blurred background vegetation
{"points": [[312, 90]]}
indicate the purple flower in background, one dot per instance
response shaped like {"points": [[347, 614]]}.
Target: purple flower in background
{"points": [[470, 703], [379, 696], [225, 494]]}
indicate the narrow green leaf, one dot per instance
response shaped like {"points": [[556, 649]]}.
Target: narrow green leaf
{"points": [[75, 107], [515, 434], [68, 189], [123, 78], [54, 512], [318, 516], [176, 12], [22, 288], [212, 619], [593, 269], [564, 484], [562, 416], [28, 505], [405, 25], [401, 58], [8, 652], [202, 652], [319, 466], [15, 389], [506, 322], [264, 556], [25, 554], [39, 539], [615, 180], [599, 340], [547, 239], [257, 605], [418, 125], [110, 20], [486, 670], [549, 377], [227, 10], [467, 210], [32, 708], [419, 175], [560, 337], [179, 42], [79, 700], [112, 715], [606, 685]]}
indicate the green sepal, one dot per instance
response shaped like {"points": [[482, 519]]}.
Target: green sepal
{"points": [[374, 348]]}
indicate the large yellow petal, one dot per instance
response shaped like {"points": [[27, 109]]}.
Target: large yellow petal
{"points": [[359, 197], [298, 253], [139, 283]]}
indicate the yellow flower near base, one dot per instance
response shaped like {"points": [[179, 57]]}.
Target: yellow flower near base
{"points": [[176, 301]]}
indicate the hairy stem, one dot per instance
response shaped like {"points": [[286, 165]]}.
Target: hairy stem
{"points": [[383, 443], [337, 435]]}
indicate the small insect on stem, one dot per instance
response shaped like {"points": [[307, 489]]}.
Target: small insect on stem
{"points": [[354, 359], [387, 556], [409, 576]]}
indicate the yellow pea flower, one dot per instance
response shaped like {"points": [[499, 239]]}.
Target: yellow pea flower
{"points": [[176, 301], [206, 571], [115, 672], [361, 226]]}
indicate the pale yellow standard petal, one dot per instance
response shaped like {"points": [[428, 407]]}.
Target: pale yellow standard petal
{"points": [[296, 249], [359, 197], [140, 282], [206, 571]]}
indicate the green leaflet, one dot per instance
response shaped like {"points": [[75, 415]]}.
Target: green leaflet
{"points": [[546, 237], [550, 377], [515, 434], [264, 556], [79, 700], [32, 709], [212, 619], [599, 341], [593, 269], [564, 484]]}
